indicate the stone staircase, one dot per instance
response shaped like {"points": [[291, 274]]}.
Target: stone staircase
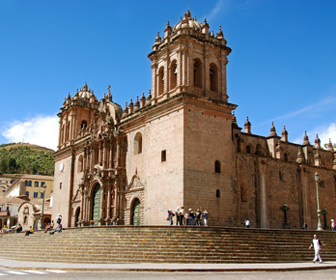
{"points": [[130, 244]]}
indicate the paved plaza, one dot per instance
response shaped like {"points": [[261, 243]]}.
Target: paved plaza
{"points": [[10, 269], [15, 274]]}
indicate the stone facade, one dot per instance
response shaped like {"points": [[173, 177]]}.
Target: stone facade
{"points": [[181, 146]]}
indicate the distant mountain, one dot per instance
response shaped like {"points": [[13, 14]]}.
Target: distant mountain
{"points": [[26, 159]]}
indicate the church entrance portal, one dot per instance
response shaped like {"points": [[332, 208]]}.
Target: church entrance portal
{"points": [[136, 213], [96, 198]]}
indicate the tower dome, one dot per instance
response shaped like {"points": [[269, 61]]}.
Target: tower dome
{"points": [[188, 22], [86, 93]]}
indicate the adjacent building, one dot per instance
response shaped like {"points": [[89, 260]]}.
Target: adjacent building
{"points": [[32, 186], [181, 145]]}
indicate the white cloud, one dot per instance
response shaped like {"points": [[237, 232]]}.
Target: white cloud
{"points": [[324, 133], [220, 5], [41, 130], [323, 105], [329, 132]]}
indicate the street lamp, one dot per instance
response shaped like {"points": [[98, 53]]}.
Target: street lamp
{"points": [[41, 223], [317, 179]]}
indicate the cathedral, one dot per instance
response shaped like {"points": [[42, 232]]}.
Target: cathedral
{"points": [[181, 145]]}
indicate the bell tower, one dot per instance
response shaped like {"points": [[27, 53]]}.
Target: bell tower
{"points": [[189, 59]]}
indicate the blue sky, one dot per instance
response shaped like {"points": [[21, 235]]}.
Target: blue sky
{"points": [[281, 69]]}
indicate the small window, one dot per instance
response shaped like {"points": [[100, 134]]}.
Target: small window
{"points": [[42, 194], [248, 149], [80, 164], [163, 155], [26, 183], [138, 143], [60, 185], [30, 183], [42, 184], [217, 193], [217, 166], [25, 220], [285, 157], [27, 194], [35, 194], [36, 183]]}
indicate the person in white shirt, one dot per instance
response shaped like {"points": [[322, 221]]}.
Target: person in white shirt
{"points": [[317, 247]]}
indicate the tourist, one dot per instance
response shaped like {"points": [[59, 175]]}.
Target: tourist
{"points": [[182, 216], [198, 216], [18, 228], [205, 217], [247, 223], [333, 225], [186, 218], [305, 225], [59, 219], [4, 229], [30, 231], [170, 217], [191, 217], [316, 243], [178, 214], [58, 229], [49, 226]]}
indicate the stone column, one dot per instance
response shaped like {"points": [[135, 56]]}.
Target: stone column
{"points": [[102, 206], [108, 208], [104, 154], [118, 153], [116, 206]]}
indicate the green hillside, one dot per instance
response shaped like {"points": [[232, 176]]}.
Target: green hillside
{"points": [[26, 159]]}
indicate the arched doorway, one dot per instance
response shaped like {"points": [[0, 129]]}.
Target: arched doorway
{"points": [[77, 217], [136, 213], [96, 198]]}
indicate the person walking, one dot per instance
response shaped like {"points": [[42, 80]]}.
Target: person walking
{"points": [[247, 223], [333, 225], [191, 217], [170, 217], [177, 214], [205, 218], [316, 243], [198, 216], [59, 219]]}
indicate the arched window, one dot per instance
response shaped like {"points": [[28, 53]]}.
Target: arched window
{"points": [[173, 74], [83, 124], [80, 164], [285, 157], [30, 183], [137, 143], [197, 73], [67, 131], [217, 166], [213, 72], [217, 193], [161, 80], [26, 183]]}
